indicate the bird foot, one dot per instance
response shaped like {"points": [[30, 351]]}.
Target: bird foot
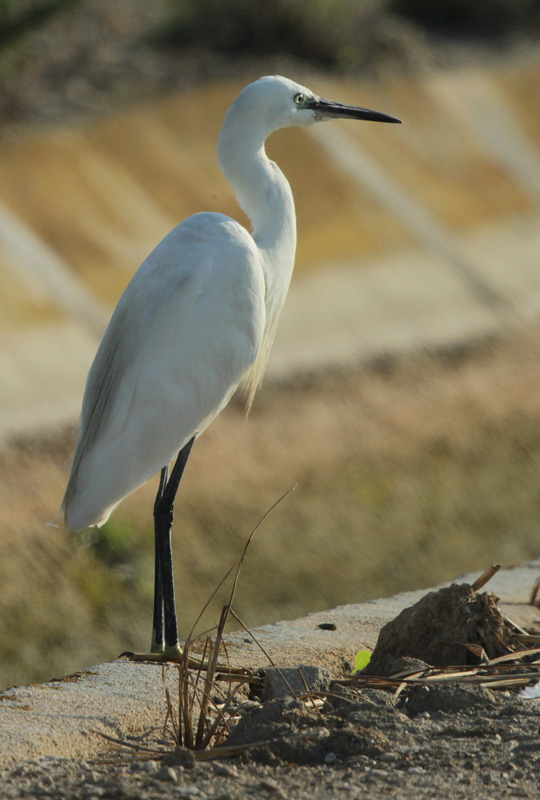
{"points": [[175, 655]]}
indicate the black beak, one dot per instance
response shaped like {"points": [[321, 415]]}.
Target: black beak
{"points": [[328, 109]]}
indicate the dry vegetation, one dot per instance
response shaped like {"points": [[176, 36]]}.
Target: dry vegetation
{"points": [[408, 473]]}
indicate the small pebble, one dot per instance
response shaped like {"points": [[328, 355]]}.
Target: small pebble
{"points": [[179, 757], [248, 705], [226, 771], [187, 791], [93, 791], [272, 786], [330, 758], [387, 757], [166, 773]]}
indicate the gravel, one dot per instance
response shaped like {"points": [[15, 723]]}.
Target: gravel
{"points": [[423, 745]]}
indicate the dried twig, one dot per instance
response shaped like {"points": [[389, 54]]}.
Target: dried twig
{"points": [[513, 624], [527, 638], [486, 576]]}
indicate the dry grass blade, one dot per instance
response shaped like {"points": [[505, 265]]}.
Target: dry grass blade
{"points": [[441, 677], [122, 743], [213, 650], [516, 656], [171, 718], [198, 675], [231, 677], [224, 751], [250, 538], [412, 673], [186, 701], [508, 681], [527, 638]]}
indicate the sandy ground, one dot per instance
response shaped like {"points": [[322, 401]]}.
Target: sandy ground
{"points": [[453, 743]]}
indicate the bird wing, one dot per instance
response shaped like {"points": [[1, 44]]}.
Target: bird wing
{"points": [[186, 330]]}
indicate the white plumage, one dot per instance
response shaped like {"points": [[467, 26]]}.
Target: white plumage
{"points": [[185, 332]]}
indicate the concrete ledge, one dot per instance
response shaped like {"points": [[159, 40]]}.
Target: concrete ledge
{"points": [[66, 717]]}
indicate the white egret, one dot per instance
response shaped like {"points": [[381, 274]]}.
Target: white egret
{"points": [[197, 319]]}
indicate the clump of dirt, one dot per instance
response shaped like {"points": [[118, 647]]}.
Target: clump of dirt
{"points": [[293, 731], [450, 627]]}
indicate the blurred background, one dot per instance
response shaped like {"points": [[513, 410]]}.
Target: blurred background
{"points": [[402, 394]]}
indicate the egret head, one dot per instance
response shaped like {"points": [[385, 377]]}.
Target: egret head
{"points": [[275, 102]]}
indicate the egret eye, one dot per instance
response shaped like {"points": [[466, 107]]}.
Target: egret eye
{"points": [[299, 99]]}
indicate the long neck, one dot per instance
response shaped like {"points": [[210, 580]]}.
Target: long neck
{"points": [[265, 195]]}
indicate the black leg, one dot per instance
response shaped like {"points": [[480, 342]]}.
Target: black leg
{"points": [[158, 640], [163, 520]]}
